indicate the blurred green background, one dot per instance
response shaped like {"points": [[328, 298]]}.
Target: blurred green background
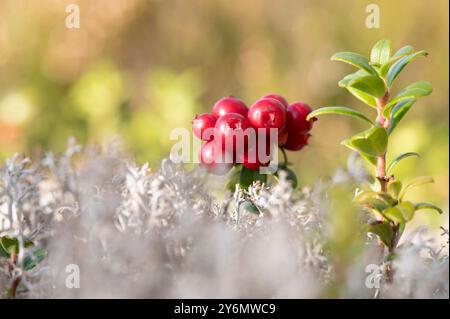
{"points": [[138, 68]]}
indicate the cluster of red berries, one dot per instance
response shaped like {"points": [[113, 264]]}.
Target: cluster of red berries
{"points": [[231, 118]]}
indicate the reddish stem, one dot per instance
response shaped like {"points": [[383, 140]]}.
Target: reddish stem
{"points": [[381, 160]]}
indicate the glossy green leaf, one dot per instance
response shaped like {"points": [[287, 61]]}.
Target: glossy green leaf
{"points": [[399, 158], [398, 103], [387, 199], [352, 76], [3, 252], [8, 246], [354, 147], [384, 231], [419, 206], [415, 90], [250, 207], [234, 178], [407, 209], [398, 66], [381, 52], [401, 229], [248, 176], [414, 183], [369, 84], [341, 110], [407, 49], [394, 188], [355, 59], [397, 56], [363, 97], [363, 86], [383, 70], [398, 112], [370, 159], [394, 214], [372, 142], [373, 200], [32, 260]]}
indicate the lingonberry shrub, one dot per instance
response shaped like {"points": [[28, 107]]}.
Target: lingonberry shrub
{"points": [[373, 83], [240, 138]]}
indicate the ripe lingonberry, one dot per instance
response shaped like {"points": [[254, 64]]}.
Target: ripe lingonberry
{"points": [[282, 137], [277, 97], [267, 113], [296, 141], [229, 104], [201, 124], [296, 114], [252, 159], [213, 159], [230, 130]]}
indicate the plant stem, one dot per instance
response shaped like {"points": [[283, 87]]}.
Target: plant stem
{"points": [[381, 172], [14, 286], [381, 160], [383, 179], [285, 161]]}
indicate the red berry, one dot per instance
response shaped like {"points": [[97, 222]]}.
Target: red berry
{"points": [[229, 104], [282, 137], [296, 142], [230, 130], [277, 97], [201, 124], [296, 118], [267, 113], [213, 159], [252, 160]]}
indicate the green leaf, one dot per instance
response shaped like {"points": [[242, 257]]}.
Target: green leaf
{"points": [[3, 252], [397, 56], [374, 200], [398, 66], [248, 176], [8, 246], [363, 97], [352, 76], [398, 104], [407, 209], [383, 70], [384, 231], [32, 260], [234, 178], [355, 90], [250, 207], [398, 112], [290, 176], [381, 52], [419, 206], [415, 90], [407, 49], [414, 183], [369, 84], [394, 214], [394, 188], [354, 59], [372, 142], [355, 147], [401, 229], [338, 110], [370, 159], [400, 157]]}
